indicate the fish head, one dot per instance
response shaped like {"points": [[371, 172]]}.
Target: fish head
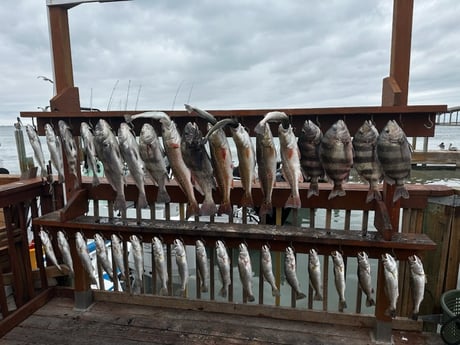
{"points": [[31, 132], [49, 131], [289, 251], [79, 239], [313, 252], [243, 247], [192, 134], [362, 256], [265, 248], [199, 243], [157, 242], [416, 264], [178, 243], [337, 257], [115, 238], [388, 261], [148, 133], [392, 132], [98, 238], [367, 132], [134, 238], [44, 236]]}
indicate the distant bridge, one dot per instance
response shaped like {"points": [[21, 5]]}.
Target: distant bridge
{"points": [[450, 117]]}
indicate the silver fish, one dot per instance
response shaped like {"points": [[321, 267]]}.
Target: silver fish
{"points": [[82, 250], [90, 150], [46, 241], [267, 270], [197, 160], [182, 266], [417, 283], [153, 156], [202, 265], [365, 160], [364, 278], [64, 248], [129, 150], [102, 256], [339, 278], [221, 158], [172, 145], [272, 116], [394, 154], [246, 162], [266, 165], [223, 262], [109, 154], [314, 273], [138, 255], [55, 149], [117, 251], [160, 265], [245, 271], [309, 142], [37, 148], [70, 150], [290, 268], [391, 282], [336, 155], [155, 115], [290, 160]]}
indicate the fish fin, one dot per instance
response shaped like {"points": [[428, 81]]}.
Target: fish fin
{"points": [[225, 208], [164, 291], [181, 292], [192, 210], [373, 195], [208, 208], [266, 208], [342, 305], [389, 180], [119, 203], [223, 292], [163, 196], [370, 302], [246, 200], [336, 191], [251, 298], [400, 192], [204, 288], [260, 128], [142, 201], [293, 202], [275, 292], [318, 297], [300, 295], [313, 190]]}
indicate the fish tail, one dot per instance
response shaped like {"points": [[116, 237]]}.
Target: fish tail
{"points": [[223, 292], [119, 203], [293, 202], [164, 291], [251, 298], [225, 208], [400, 192], [336, 191], [342, 305], [373, 194], [414, 316], [204, 288], [370, 302], [390, 312], [142, 200], [181, 292], [208, 208], [246, 200], [192, 210], [300, 295], [313, 190], [163, 196], [318, 296], [96, 181], [128, 118], [275, 291], [60, 178], [266, 209]]}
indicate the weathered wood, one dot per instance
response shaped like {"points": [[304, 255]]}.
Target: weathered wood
{"points": [[438, 157]]}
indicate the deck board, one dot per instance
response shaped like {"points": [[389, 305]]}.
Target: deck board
{"points": [[111, 323]]}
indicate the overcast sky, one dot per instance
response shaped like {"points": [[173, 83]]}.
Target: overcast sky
{"points": [[228, 54]]}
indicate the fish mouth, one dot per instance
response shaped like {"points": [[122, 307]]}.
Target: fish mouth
{"points": [[313, 251]]}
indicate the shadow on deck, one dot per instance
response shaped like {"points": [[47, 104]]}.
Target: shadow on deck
{"points": [[58, 322]]}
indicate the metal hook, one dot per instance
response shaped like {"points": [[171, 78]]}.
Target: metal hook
{"points": [[317, 121], [430, 123], [400, 120]]}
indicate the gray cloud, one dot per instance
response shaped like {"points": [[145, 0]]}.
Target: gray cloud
{"points": [[238, 54]]}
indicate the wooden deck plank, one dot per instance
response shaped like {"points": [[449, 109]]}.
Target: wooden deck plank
{"points": [[112, 323]]}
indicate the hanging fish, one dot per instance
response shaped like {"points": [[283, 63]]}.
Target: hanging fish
{"points": [[153, 156], [37, 148], [314, 274], [202, 265], [339, 278], [138, 255], [55, 149], [312, 169], [160, 265], [290, 160], [364, 278], [118, 256], [46, 241], [245, 271], [391, 283], [64, 247], [336, 155], [267, 270], [129, 150], [197, 160], [82, 250], [223, 262], [89, 149], [182, 266], [102, 255], [108, 151], [70, 150], [290, 269], [365, 160], [394, 154], [417, 283]]}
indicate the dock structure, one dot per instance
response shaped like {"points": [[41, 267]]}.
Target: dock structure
{"points": [[400, 228], [451, 117]]}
